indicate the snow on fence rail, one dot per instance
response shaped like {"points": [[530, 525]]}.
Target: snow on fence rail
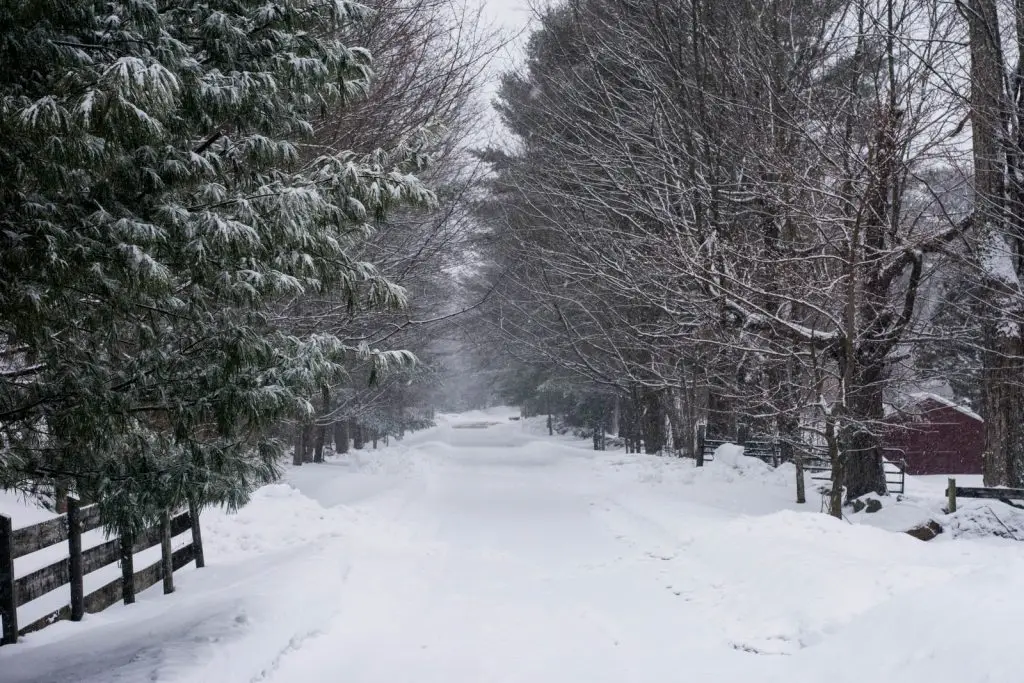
{"points": [[71, 570]]}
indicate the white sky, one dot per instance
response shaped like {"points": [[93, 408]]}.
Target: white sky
{"points": [[512, 17]]}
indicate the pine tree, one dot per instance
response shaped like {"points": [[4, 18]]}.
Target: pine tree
{"points": [[157, 199]]}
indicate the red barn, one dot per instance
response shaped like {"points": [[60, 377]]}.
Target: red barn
{"points": [[936, 436]]}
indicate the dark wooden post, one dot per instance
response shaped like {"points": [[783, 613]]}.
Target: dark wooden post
{"points": [[75, 559], [701, 435], [951, 495], [167, 565], [8, 601], [742, 434], [127, 568], [197, 536]]}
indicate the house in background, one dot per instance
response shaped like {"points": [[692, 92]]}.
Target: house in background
{"points": [[933, 435]]}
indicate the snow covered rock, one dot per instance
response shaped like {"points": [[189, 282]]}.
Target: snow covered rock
{"points": [[926, 531]]}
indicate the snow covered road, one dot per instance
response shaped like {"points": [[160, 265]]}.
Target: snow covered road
{"points": [[471, 553]]}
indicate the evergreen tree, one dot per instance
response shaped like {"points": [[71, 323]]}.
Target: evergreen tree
{"points": [[157, 198]]}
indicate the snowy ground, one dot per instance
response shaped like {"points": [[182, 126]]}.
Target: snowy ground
{"points": [[485, 551]]}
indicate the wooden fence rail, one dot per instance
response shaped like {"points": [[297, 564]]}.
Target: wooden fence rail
{"points": [[15, 543], [1003, 495]]}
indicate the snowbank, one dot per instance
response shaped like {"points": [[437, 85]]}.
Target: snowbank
{"points": [[985, 520], [278, 517], [22, 509], [963, 630]]}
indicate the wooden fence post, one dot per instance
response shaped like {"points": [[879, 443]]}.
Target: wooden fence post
{"points": [[197, 537], [701, 435], [165, 552], [75, 559], [8, 601], [127, 568], [951, 495]]}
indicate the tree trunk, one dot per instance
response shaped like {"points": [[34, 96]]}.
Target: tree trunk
{"points": [[326, 436], [653, 423], [863, 465], [677, 421], [357, 436], [1004, 411], [318, 445], [835, 498], [297, 446], [616, 408], [788, 426], [1003, 393], [341, 437], [307, 443]]}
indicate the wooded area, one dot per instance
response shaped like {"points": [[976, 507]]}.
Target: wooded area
{"points": [[234, 230], [227, 230], [770, 213]]}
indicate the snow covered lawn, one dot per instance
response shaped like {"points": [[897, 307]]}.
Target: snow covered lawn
{"points": [[496, 553]]}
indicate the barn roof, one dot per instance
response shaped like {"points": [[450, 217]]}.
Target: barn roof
{"points": [[921, 396]]}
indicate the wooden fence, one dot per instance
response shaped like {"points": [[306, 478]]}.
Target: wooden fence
{"points": [[1002, 495], [71, 570], [769, 450], [895, 471]]}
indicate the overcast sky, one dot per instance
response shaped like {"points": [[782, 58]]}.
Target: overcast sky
{"points": [[512, 17]]}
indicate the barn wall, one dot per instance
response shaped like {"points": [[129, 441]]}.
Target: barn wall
{"points": [[942, 440]]}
